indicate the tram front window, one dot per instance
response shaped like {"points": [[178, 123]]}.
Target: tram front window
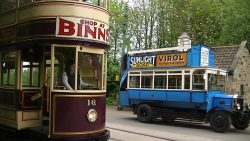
{"points": [[90, 70], [82, 73]]}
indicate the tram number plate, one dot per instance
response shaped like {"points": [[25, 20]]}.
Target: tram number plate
{"points": [[91, 102]]}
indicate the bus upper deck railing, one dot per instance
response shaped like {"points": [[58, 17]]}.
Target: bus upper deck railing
{"points": [[8, 5]]}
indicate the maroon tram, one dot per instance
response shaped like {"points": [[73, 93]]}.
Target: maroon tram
{"points": [[38, 41]]}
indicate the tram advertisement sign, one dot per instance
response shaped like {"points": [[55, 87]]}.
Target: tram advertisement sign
{"points": [[142, 61], [171, 60], [73, 27]]}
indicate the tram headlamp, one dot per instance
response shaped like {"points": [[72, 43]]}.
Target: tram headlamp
{"points": [[92, 115]]}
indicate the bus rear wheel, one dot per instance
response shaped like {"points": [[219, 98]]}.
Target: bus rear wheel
{"points": [[144, 113], [220, 121]]}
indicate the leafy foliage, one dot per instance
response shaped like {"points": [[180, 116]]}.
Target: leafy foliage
{"points": [[158, 23], [236, 21], [112, 84]]}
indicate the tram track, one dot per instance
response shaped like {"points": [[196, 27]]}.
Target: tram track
{"points": [[136, 133]]}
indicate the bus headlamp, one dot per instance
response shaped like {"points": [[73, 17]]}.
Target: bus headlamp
{"points": [[92, 115], [238, 106]]}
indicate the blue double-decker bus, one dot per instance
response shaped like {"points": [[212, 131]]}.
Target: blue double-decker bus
{"points": [[179, 83]]}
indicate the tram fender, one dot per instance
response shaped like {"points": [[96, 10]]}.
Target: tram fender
{"points": [[103, 137]]}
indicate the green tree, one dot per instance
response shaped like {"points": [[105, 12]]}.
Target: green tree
{"points": [[112, 84], [201, 19], [117, 20], [236, 27]]}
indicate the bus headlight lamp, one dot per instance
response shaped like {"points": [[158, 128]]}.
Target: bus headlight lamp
{"points": [[238, 106], [92, 115]]}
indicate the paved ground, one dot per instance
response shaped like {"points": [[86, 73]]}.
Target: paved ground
{"points": [[125, 127]]}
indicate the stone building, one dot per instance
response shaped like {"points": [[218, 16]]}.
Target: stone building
{"points": [[236, 60]]}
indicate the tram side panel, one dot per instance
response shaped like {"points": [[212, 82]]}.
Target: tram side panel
{"points": [[20, 109], [70, 116]]}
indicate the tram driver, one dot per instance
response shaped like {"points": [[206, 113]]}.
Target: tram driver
{"points": [[68, 78]]}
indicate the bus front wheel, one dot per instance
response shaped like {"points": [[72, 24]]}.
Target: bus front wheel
{"points": [[220, 121], [241, 122], [144, 113]]}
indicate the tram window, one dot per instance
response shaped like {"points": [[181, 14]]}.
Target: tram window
{"points": [[146, 81], [90, 70], [174, 82], [160, 82], [64, 58], [6, 5], [105, 71], [101, 3], [8, 73], [134, 82], [56, 73], [23, 2], [30, 74]]}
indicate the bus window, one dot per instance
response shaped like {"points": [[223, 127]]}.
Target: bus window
{"points": [[160, 81], [198, 80], [134, 82], [90, 70], [146, 81], [174, 82], [221, 80], [216, 82], [187, 82]]}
